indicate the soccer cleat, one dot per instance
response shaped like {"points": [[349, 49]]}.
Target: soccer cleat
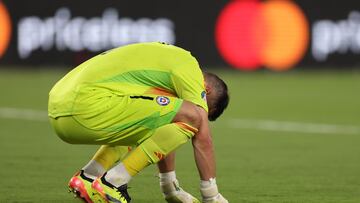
{"points": [[80, 185], [110, 193]]}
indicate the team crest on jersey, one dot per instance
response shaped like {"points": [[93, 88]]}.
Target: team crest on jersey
{"points": [[163, 101], [203, 95]]}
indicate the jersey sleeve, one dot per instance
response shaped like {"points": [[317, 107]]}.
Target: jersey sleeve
{"points": [[189, 83]]}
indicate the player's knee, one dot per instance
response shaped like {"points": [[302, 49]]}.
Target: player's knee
{"points": [[188, 114]]}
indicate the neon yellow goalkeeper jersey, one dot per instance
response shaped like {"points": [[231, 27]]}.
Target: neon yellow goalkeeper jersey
{"points": [[133, 70]]}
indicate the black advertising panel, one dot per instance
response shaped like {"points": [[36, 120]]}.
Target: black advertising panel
{"points": [[244, 34]]}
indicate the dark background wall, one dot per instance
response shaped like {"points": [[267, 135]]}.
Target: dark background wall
{"points": [[192, 22]]}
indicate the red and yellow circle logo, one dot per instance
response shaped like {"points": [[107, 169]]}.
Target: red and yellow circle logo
{"points": [[250, 34], [5, 29]]}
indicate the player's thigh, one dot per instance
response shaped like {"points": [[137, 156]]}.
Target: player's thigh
{"points": [[129, 119], [70, 131]]}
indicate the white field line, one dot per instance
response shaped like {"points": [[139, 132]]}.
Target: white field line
{"points": [[292, 126], [23, 114], [255, 124]]}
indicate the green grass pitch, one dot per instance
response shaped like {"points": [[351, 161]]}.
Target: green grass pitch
{"points": [[286, 137]]}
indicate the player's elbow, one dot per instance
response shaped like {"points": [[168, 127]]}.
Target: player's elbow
{"points": [[189, 114]]}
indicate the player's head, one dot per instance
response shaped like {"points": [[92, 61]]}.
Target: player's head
{"points": [[216, 94]]}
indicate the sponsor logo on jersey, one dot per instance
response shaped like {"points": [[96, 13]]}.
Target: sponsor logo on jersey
{"points": [[163, 101]]}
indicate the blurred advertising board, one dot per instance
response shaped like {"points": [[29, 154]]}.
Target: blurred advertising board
{"points": [[244, 34]]}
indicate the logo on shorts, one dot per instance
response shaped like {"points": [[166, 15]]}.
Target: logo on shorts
{"points": [[163, 101], [160, 155]]}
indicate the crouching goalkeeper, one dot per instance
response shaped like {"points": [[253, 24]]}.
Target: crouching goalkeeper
{"points": [[149, 95]]}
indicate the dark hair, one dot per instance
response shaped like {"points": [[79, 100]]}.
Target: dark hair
{"points": [[219, 104]]}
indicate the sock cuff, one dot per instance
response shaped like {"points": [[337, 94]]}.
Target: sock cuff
{"points": [[209, 189], [168, 176], [87, 177], [117, 176], [207, 183], [105, 182], [94, 169]]}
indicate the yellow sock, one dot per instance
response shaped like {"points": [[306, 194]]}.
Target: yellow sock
{"points": [[164, 140], [107, 156], [136, 161]]}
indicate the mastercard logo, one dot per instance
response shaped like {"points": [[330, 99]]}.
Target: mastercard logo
{"points": [[251, 34], [5, 29]]}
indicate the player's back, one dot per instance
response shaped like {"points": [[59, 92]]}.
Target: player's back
{"points": [[133, 69], [144, 56]]}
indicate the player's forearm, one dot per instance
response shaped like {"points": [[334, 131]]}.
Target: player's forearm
{"points": [[203, 149], [204, 158]]}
